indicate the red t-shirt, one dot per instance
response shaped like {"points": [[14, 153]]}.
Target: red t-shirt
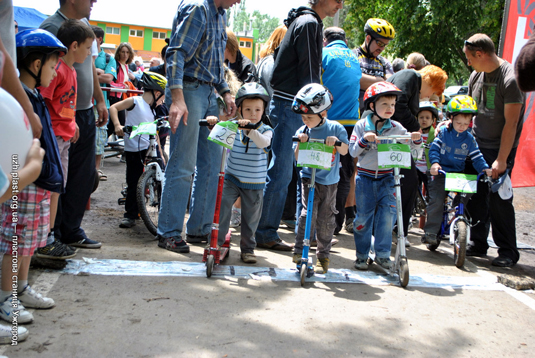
{"points": [[60, 98]]}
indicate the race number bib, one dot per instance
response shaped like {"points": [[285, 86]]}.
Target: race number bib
{"points": [[144, 128], [224, 134], [393, 155], [461, 183], [315, 155]]}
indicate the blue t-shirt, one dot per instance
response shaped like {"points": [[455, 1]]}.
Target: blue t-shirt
{"points": [[341, 74], [329, 128], [110, 67]]}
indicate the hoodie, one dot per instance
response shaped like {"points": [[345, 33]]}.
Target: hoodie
{"points": [[298, 57], [450, 149]]}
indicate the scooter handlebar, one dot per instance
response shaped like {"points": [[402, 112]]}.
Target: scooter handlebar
{"points": [[204, 123], [391, 137], [338, 143]]}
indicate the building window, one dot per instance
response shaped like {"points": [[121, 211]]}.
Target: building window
{"points": [[242, 43], [136, 33], [159, 35], [113, 30], [248, 44]]}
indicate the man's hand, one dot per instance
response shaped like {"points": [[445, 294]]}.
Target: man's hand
{"points": [[76, 136], [178, 110], [102, 114], [498, 168], [230, 105]]}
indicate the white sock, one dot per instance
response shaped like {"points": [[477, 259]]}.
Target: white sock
{"points": [[50, 238], [237, 209]]}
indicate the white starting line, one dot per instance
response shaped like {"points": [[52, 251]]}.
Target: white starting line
{"points": [[195, 269]]}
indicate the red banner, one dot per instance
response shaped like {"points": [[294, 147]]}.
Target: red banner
{"points": [[519, 23]]}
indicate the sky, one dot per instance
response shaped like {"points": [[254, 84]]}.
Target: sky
{"points": [[143, 12]]}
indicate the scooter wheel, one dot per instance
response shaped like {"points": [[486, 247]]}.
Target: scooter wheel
{"points": [[404, 273], [209, 265], [303, 273]]}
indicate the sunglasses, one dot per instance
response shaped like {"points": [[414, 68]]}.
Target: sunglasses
{"points": [[380, 43], [468, 43]]}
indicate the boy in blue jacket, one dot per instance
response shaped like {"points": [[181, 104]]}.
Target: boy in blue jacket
{"points": [[448, 152], [26, 217]]}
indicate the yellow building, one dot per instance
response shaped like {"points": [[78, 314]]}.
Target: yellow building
{"points": [[146, 41]]}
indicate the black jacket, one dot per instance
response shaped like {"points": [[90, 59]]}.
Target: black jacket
{"points": [[298, 57], [244, 69], [408, 104]]}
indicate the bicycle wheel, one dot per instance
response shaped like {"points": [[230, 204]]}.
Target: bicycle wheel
{"points": [[149, 193], [459, 244]]}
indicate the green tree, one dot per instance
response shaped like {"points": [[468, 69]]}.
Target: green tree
{"points": [[265, 24], [435, 28]]}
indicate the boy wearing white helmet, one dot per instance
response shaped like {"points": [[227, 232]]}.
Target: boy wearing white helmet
{"points": [[312, 102], [374, 187]]}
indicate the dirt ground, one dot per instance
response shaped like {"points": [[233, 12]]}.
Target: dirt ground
{"points": [[127, 315]]}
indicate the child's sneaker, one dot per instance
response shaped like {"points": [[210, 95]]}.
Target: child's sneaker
{"points": [[6, 334], [248, 258], [32, 299], [127, 223], [297, 258], [384, 262], [322, 265], [429, 239], [235, 218], [361, 264], [7, 310]]}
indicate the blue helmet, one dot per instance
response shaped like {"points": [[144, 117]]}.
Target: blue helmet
{"points": [[38, 40]]}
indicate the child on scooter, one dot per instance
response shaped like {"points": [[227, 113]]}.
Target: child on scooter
{"points": [[138, 109], [247, 166], [448, 152], [374, 187], [427, 117], [312, 102]]}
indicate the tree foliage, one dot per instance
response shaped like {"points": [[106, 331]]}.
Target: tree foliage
{"points": [[435, 28], [243, 20]]}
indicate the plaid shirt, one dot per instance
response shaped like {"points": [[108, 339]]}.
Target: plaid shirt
{"points": [[197, 45]]}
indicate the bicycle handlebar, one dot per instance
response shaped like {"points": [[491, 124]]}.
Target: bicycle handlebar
{"points": [[394, 137], [204, 123], [478, 176], [338, 143], [121, 90]]}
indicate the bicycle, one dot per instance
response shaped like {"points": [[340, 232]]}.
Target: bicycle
{"points": [[149, 187], [455, 224]]}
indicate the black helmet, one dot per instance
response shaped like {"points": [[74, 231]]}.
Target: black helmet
{"points": [[252, 90], [153, 81]]}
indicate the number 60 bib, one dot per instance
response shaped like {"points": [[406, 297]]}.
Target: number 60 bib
{"points": [[393, 155]]}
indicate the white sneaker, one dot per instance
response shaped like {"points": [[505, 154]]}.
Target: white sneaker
{"points": [[6, 334], [30, 298], [235, 218], [7, 311]]}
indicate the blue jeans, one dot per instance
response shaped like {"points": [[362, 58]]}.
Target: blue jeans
{"points": [[376, 208], [285, 123], [184, 162]]}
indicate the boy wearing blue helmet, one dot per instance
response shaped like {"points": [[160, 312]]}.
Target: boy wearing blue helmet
{"points": [[26, 217]]}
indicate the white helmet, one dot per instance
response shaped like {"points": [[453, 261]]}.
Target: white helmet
{"points": [[16, 134], [312, 99]]}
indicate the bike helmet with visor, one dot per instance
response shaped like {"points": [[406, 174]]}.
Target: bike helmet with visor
{"points": [[461, 104], [312, 99], [377, 90], [39, 41]]}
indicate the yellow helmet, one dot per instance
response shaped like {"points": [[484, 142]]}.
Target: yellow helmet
{"points": [[379, 28], [461, 104]]}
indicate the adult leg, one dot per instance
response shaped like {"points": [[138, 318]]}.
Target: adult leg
{"points": [[344, 186], [80, 179], [280, 173], [182, 160]]}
